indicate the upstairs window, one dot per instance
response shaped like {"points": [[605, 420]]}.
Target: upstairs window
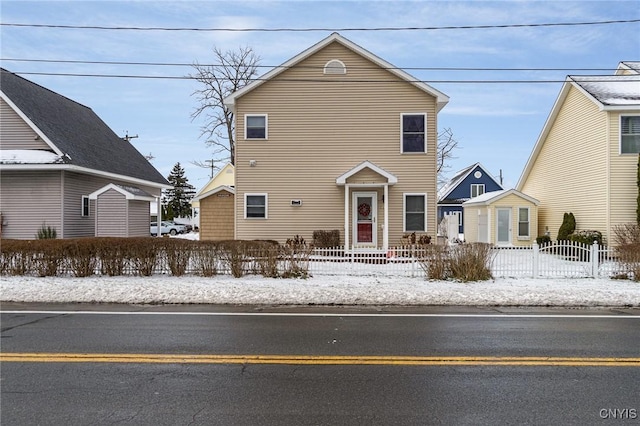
{"points": [[413, 129], [255, 126], [477, 189], [630, 134]]}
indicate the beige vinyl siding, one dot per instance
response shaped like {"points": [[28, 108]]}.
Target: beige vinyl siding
{"points": [[623, 175], [138, 218], [15, 133], [111, 207], [470, 220], [514, 203], [216, 216], [570, 173], [322, 128], [28, 200]]}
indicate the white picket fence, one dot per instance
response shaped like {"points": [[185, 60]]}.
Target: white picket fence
{"points": [[561, 259]]}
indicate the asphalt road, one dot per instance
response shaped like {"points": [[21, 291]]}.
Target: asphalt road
{"points": [[103, 364]]}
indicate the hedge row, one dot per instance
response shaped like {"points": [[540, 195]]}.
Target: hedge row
{"points": [[146, 256]]}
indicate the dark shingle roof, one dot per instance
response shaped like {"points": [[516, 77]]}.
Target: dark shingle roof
{"points": [[77, 131]]}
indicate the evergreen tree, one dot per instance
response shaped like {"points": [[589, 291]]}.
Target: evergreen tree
{"points": [[177, 199]]}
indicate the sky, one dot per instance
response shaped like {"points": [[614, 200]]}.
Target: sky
{"points": [[495, 124]]}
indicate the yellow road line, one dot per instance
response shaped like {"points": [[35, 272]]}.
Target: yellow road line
{"points": [[316, 359]]}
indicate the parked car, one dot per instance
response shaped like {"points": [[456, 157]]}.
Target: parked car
{"points": [[167, 227]]}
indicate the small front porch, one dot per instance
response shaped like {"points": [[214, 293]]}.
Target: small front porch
{"points": [[366, 209]]}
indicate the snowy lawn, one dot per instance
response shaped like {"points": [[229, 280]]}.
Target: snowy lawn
{"points": [[322, 290]]}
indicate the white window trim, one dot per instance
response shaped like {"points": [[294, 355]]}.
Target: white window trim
{"points": [[528, 236], [266, 126], [424, 114], [404, 210], [620, 134], [85, 197], [266, 205], [479, 185]]}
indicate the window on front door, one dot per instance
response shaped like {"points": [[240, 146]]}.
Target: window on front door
{"points": [[477, 189], [415, 208], [630, 134], [414, 133]]}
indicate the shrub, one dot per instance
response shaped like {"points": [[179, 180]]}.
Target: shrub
{"points": [[205, 258], [567, 227], [296, 253], [543, 239], [233, 255], [46, 232], [177, 253], [471, 262], [326, 239], [16, 257], [143, 255], [47, 257], [586, 237], [266, 255], [627, 249], [81, 255], [435, 262]]}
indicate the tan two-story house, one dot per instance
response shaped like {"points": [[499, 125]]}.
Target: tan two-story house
{"points": [[336, 138], [585, 160]]}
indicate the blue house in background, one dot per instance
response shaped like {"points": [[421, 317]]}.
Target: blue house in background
{"points": [[464, 185]]}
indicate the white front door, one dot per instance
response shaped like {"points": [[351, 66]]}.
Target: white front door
{"points": [[365, 212], [503, 226]]}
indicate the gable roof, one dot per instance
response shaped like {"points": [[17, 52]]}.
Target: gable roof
{"points": [[223, 171], [630, 66], [458, 178], [213, 191], [74, 132], [441, 98], [489, 197], [130, 192], [342, 179], [609, 93]]}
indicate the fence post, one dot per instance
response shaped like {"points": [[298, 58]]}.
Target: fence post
{"points": [[536, 252], [595, 259]]}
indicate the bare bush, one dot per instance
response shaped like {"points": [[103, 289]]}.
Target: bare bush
{"points": [[435, 262], [205, 258], [471, 262]]}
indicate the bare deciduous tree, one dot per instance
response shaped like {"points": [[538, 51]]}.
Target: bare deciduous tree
{"points": [[446, 145], [233, 71]]}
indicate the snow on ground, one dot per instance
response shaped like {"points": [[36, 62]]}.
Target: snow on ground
{"points": [[322, 290]]}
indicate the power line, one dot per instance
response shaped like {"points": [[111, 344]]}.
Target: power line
{"points": [[456, 27], [308, 80], [178, 64]]}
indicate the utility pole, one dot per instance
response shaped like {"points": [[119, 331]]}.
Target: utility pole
{"points": [[212, 162], [128, 138]]}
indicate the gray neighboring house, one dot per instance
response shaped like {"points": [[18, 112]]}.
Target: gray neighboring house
{"points": [[62, 166]]}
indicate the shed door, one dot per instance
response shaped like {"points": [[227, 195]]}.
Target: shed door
{"points": [[503, 226]]}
